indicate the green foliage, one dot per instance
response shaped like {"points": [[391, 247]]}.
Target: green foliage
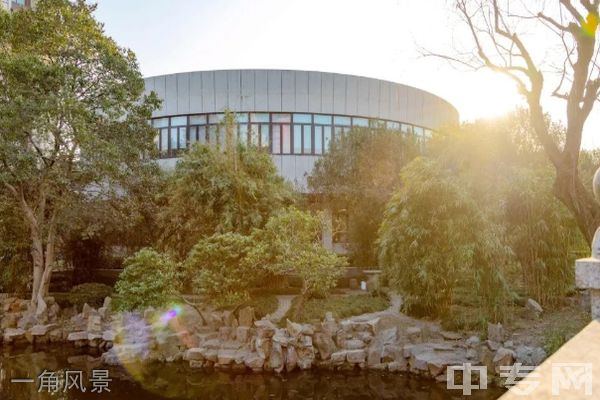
{"points": [[219, 269], [73, 118], [149, 279], [15, 262], [290, 243], [543, 236], [434, 238], [263, 304], [218, 191], [341, 307], [91, 293], [359, 175]]}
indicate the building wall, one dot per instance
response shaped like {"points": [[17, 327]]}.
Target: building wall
{"points": [[297, 92]]}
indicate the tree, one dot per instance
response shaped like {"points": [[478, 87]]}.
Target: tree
{"points": [[290, 243], [149, 279], [215, 190], [219, 269], [434, 239], [73, 119], [359, 174], [500, 39]]}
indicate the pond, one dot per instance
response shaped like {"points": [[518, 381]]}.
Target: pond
{"points": [[178, 381]]}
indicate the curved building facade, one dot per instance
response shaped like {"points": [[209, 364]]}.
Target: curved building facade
{"points": [[294, 115]]}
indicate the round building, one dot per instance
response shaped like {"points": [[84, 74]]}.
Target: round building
{"points": [[294, 115]]}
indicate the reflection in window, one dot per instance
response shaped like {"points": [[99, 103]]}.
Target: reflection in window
{"points": [[318, 139], [405, 128], [243, 134], [418, 131], [338, 120], [360, 122], [303, 118], [259, 117], [212, 134], [297, 139], [241, 118], [264, 136], [254, 134], [323, 119], [286, 139], [197, 119], [215, 118], [193, 135], [281, 118], [276, 148], [160, 123], [327, 137], [164, 141], [202, 134], [182, 138], [307, 140], [173, 139], [393, 125], [178, 121]]}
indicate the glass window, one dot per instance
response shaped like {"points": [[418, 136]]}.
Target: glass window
{"points": [[307, 140], [202, 134], [164, 140], [323, 119], [193, 135], [157, 140], [303, 118], [286, 139], [326, 137], [264, 135], [178, 121], [212, 134], [277, 139], [360, 122], [281, 118], [319, 139], [259, 117], [428, 133], [160, 123], [182, 138], [405, 128], [254, 132], [197, 119], [215, 118], [243, 134], [393, 125], [418, 131], [173, 140], [338, 120], [297, 139]]}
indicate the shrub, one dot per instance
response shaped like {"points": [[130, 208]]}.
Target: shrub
{"points": [[219, 269], [434, 239], [149, 279], [340, 306], [91, 293]]}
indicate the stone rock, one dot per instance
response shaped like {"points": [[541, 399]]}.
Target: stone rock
{"points": [[398, 366], [354, 344], [42, 309], [414, 334], [265, 328], [306, 357], [254, 361], [210, 354], [53, 312], [42, 330], [107, 303], [109, 336], [149, 313], [495, 332], [528, 355], [94, 324], [509, 344], [451, 335], [263, 347], [242, 334], [276, 361], [356, 356], [12, 335], [291, 359], [229, 318], [104, 312], [388, 336], [77, 336], [338, 357], [534, 308], [325, 345], [503, 357], [281, 337], [492, 345], [87, 310], [9, 321], [473, 341], [246, 316], [226, 332], [27, 321], [374, 354], [472, 354], [225, 356], [392, 352], [196, 364]]}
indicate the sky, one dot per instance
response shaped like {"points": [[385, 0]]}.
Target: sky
{"points": [[381, 39]]}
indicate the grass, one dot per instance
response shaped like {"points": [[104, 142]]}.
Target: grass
{"points": [[340, 306], [560, 331]]}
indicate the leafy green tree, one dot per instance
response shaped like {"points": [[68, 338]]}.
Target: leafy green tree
{"points": [[217, 190], [73, 119], [290, 243], [15, 262], [218, 268], [434, 238], [149, 279], [359, 174]]}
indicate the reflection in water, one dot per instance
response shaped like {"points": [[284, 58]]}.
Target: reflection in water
{"points": [[178, 381]]}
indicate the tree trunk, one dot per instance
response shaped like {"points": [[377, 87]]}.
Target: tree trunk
{"points": [[571, 192]]}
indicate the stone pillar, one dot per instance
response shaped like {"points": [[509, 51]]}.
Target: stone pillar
{"points": [[587, 276]]}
